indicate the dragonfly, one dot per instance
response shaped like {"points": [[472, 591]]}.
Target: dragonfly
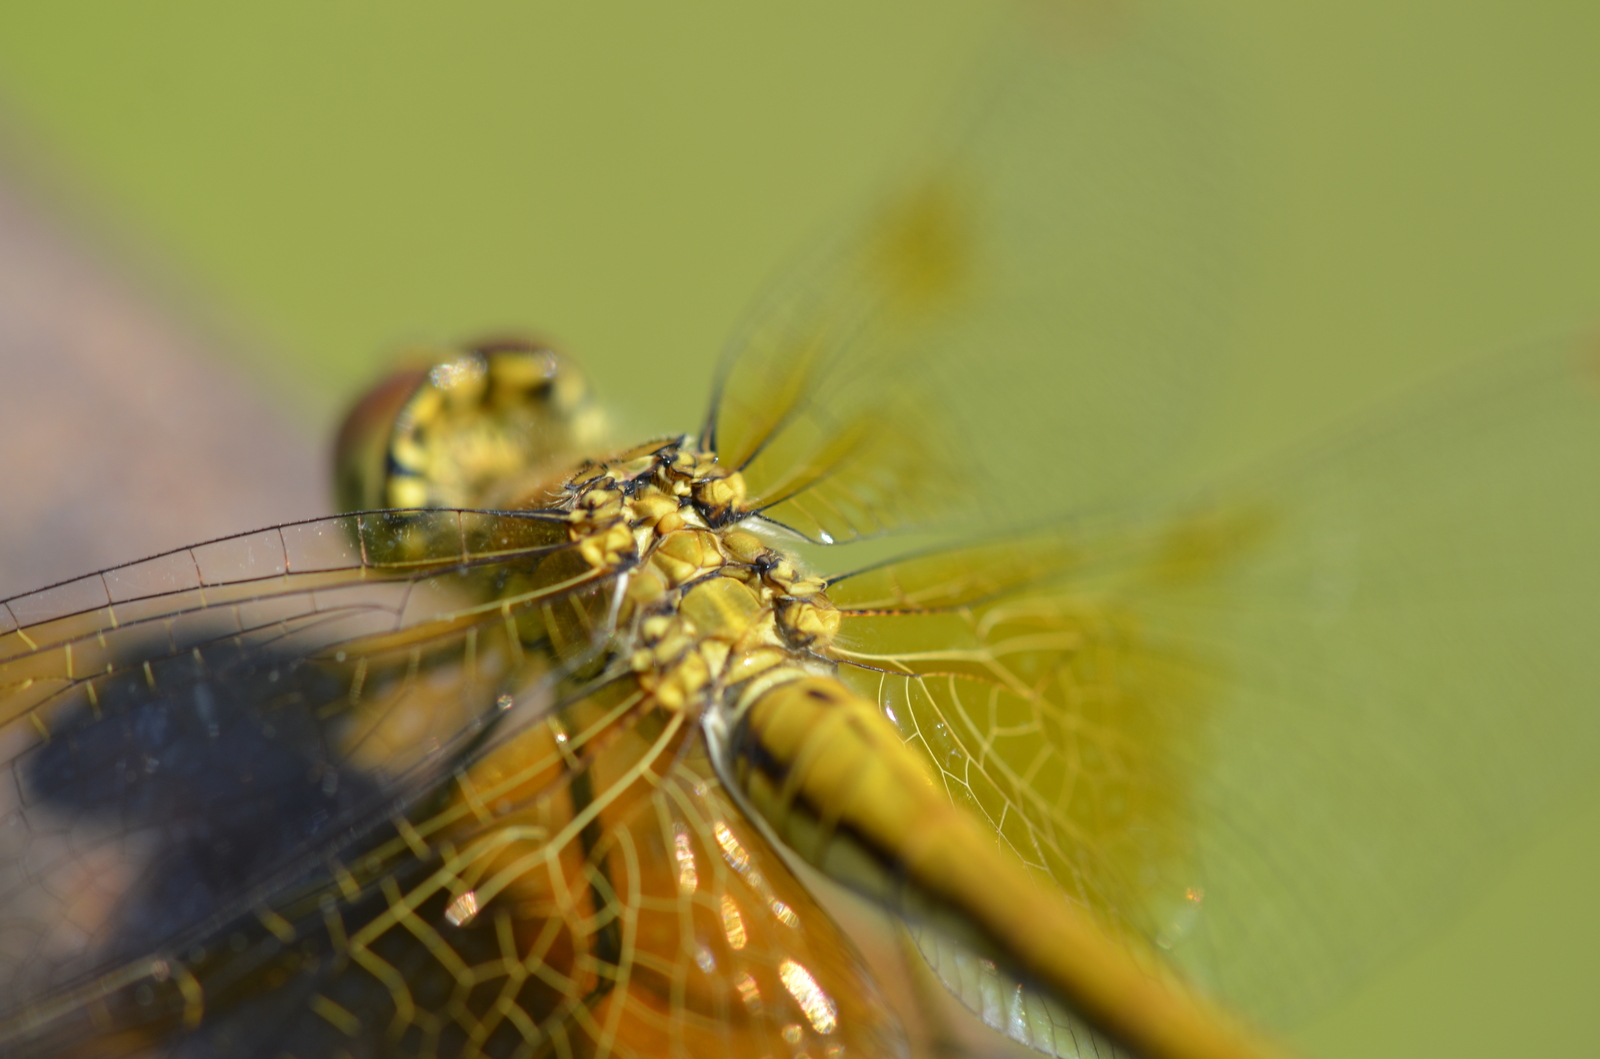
{"points": [[516, 756]]}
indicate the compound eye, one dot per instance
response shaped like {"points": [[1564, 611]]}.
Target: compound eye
{"points": [[362, 447], [495, 424]]}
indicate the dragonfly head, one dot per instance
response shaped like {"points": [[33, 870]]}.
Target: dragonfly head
{"points": [[495, 424]]}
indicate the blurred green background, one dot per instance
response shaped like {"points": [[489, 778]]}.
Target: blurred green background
{"points": [[335, 178]]}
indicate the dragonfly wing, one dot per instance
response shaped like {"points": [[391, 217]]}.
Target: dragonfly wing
{"points": [[1408, 673], [1008, 1004], [1073, 218], [281, 795], [625, 909], [1270, 735], [186, 734], [722, 950]]}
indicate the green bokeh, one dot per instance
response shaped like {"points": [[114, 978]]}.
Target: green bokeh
{"points": [[1420, 181], [346, 177]]}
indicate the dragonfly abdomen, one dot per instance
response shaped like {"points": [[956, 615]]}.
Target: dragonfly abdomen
{"points": [[830, 774]]}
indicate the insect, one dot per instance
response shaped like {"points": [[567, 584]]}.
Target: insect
{"points": [[491, 782]]}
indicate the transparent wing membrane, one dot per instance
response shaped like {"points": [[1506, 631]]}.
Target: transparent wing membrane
{"points": [[1043, 712], [1009, 1005], [184, 730], [1271, 734], [1407, 645], [1046, 286]]}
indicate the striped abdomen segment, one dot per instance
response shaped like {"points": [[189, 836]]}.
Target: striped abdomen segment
{"points": [[832, 777]]}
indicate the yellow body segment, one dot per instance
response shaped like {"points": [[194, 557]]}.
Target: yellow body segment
{"points": [[728, 627], [844, 761]]}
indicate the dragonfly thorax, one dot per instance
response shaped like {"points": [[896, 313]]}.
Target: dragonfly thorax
{"points": [[704, 609], [709, 610]]}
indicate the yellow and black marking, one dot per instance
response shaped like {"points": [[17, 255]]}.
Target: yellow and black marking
{"points": [[641, 603], [496, 423]]}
